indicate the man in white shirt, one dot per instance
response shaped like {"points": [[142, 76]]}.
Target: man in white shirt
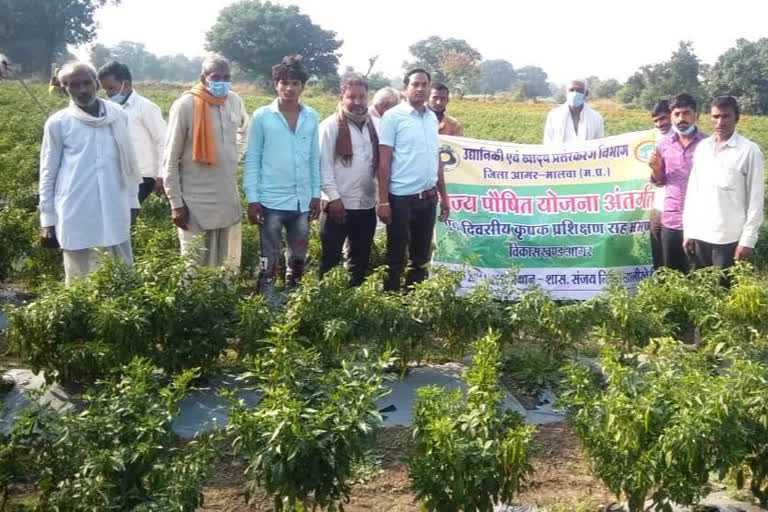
{"points": [[348, 161], [574, 120], [145, 121], [724, 200], [88, 176]]}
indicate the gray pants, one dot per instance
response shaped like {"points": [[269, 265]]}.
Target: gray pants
{"points": [[713, 255], [81, 262], [222, 246]]}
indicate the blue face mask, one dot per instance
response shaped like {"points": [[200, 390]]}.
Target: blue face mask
{"points": [[687, 131], [120, 97], [574, 99], [219, 89]]}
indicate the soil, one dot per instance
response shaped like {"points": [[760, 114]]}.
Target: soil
{"points": [[562, 478]]}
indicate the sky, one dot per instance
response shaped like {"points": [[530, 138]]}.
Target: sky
{"points": [[568, 39]]}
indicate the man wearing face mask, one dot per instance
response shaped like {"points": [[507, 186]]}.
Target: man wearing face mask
{"points": [[146, 124], [574, 120], [662, 124], [671, 166], [88, 177], [207, 133]]}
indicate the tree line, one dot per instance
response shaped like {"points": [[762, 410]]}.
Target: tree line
{"points": [[255, 34]]}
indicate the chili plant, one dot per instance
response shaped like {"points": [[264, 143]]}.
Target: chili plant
{"points": [[311, 426], [659, 425], [470, 454], [120, 452]]}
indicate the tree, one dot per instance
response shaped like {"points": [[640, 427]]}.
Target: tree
{"points": [[631, 89], [145, 65], [459, 71], [495, 75], [99, 55], [257, 35], [683, 72], [532, 81], [35, 33], [377, 81], [606, 89], [434, 53], [593, 83], [742, 72]]}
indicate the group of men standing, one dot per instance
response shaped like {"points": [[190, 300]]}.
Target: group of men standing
{"points": [[708, 204], [361, 165], [100, 159]]}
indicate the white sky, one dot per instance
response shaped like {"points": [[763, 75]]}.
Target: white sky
{"points": [[607, 38]]}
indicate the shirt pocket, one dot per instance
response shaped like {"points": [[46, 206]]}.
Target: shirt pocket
{"points": [[303, 146], [408, 138], [230, 121], [729, 176]]}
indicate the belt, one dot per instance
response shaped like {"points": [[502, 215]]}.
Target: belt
{"points": [[424, 194]]}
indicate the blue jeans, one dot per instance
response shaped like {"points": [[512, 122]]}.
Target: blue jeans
{"points": [[296, 240]]}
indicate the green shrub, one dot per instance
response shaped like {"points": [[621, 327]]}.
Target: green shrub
{"points": [[176, 315], [662, 422], [623, 322], [254, 319], [310, 428], [469, 454], [120, 452]]}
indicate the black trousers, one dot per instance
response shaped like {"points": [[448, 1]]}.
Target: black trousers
{"points": [[146, 187], [359, 228], [713, 255], [656, 254], [673, 254], [411, 228]]}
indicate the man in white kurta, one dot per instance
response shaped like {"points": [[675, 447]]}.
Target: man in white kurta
{"points": [[88, 177], [574, 120], [207, 133]]}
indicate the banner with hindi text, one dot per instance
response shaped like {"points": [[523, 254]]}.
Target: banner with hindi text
{"points": [[564, 216]]}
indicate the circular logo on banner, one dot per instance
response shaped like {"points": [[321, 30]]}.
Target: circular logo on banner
{"points": [[449, 158], [644, 150]]}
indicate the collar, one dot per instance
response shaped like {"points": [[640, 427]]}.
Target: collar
{"points": [[410, 110], [131, 99], [275, 106], [675, 137], [732, 142]]}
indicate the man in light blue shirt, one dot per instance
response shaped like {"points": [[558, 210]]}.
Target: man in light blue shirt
{"points": [[410, 177], [282, 174]]}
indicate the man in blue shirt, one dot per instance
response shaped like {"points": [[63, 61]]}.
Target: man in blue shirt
{"points": [[282, 174], [410, 178]]}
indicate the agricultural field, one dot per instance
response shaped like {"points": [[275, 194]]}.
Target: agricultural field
{"points": [[671, 406]]}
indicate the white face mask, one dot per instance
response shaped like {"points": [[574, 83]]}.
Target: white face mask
{"points": [[574, 98]]}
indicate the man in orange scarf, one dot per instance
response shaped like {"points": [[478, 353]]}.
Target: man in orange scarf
{"points": [[207, 134]]}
